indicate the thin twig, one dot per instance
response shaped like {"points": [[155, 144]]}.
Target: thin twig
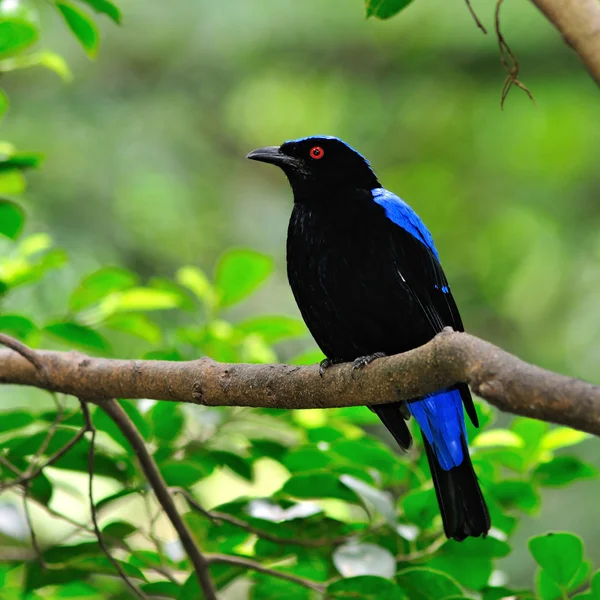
{"points": [[509, 61], [431, 549], [216, 517], [247, 563], [90, 427], [201, 566], [33, 536], [474, 15], [25, 351]]}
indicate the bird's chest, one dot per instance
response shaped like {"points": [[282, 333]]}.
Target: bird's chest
{"points": [[338, 268]]}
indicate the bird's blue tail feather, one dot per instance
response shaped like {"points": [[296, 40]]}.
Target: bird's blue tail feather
{"points": [[442, 420]]}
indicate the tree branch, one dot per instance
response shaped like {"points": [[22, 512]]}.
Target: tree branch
{"points": [[247, 563], [500, 378], [579, 23], [201, 565]]}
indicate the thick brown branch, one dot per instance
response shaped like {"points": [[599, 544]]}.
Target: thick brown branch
{"points": [[502, 379], [201, 566], [579, 23]]}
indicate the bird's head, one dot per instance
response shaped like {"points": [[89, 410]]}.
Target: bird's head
{"points": [[319, 164]]}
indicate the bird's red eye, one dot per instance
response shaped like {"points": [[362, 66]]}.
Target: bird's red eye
{"points": [[317, 152]]}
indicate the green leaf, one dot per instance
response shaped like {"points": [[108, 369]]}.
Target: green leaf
{"points": [[14, 420], [384, 9], [15, 36], [41, 489], [498, 437], [516, 494], [4, 103], [273, 328], [82, 26], [161, 589], [318, 484], [421, 583], [12, 218], [561, 437], [105, 7], [134, 324], [115, 497], [563, 470], [119, 529], [182, 474], [18, 326], [195, 280], [236, 463], [381, 501], [144, 299], [99, 284], [559, 554], [365, 587], [78, 335], [21, 160], [239, 273], [546, 588], [353, 559], [420, 506], [167, 421]]}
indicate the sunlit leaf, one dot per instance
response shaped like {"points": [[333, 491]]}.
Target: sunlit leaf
{"points": [[239, 273], [196, 280], [81, 25], [559, 554], [134, 324], [498, 437], [12, 182], [273, 328], [99, 284], [12, 218], [353, 559], [561, 437], [143, 299]]}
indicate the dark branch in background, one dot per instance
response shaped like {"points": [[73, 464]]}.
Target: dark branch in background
{"points": [[247, 563], [201, 565], [475, 17], [500, 378], [89, 426], [578, 21]]}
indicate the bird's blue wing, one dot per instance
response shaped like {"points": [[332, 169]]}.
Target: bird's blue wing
{"points": [[404, 216], [439, 415]]}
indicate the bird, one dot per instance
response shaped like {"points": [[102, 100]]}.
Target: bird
{"points": [[368, 281]]}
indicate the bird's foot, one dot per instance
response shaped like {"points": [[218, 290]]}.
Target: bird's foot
{"points": [[363, 361], [326, 363]]}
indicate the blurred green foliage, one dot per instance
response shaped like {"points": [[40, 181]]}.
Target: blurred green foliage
{"points": [[144, 172]]}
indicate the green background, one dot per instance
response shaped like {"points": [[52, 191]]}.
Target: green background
{"points": [[145, 164]]}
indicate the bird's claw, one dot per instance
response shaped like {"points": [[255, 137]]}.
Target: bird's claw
{"points": [[326, 363], [363, 361]]}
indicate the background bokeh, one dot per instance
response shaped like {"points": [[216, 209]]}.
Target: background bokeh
{"points": [[145, 163]]}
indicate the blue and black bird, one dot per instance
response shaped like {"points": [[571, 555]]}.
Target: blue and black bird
{"points": [[368, 281]]}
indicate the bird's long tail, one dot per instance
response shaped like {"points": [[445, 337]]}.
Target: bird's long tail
{"points": [[441, 419]]}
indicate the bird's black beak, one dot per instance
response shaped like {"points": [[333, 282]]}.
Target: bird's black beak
{"points": [[272, 155]]}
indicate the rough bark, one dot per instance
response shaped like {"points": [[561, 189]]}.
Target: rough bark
{"points": [[500, 378]]}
